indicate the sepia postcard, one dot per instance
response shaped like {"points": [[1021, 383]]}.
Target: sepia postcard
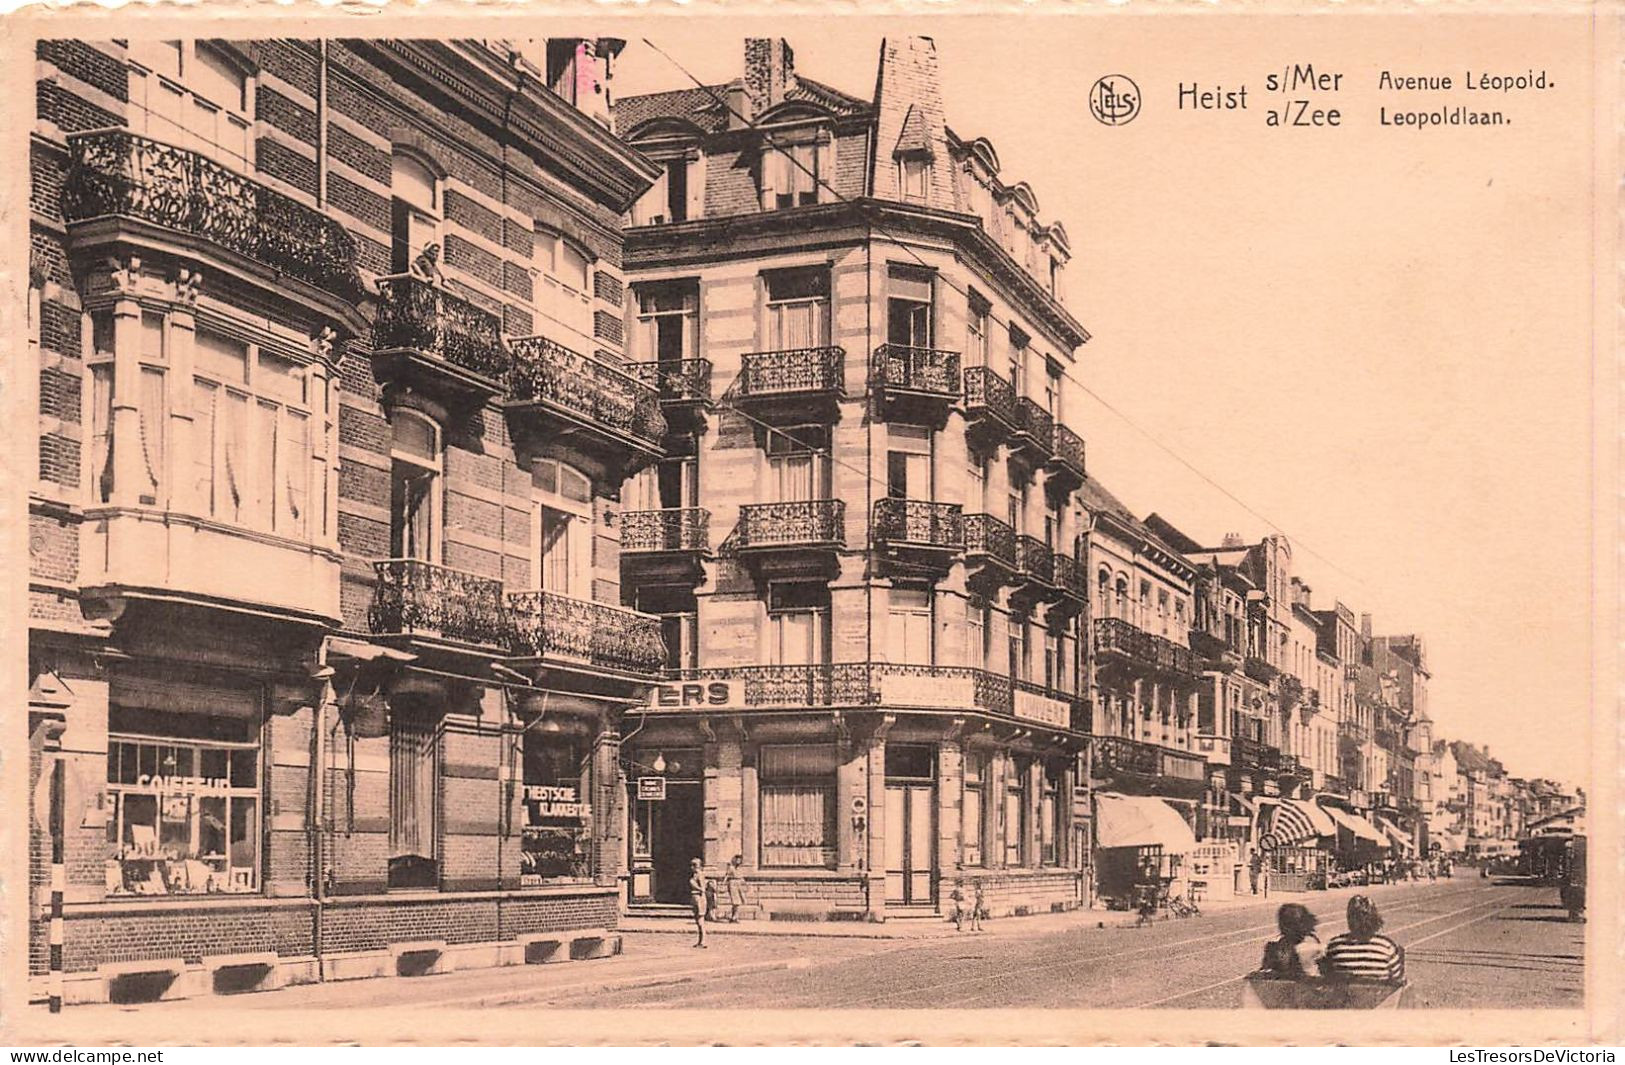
{"points": [[671, 525]]}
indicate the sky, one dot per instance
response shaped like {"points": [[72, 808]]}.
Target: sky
{"points": [[1377, 338]]}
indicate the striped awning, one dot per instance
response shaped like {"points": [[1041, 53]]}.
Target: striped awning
{"points": [[1356, 825], [1404, 841], [1294, 821]]}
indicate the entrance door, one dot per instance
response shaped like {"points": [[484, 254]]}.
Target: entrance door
{"points": [[667, 833], [911, 852]]}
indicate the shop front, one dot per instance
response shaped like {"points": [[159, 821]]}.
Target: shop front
{"points": [[1360, 848], [1294, 841], [1142, 842]]}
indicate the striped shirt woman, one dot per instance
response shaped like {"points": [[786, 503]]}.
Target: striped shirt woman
{"points": [[1362, 953]]}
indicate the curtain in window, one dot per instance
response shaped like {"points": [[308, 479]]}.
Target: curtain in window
{"points": [[101, 407], [796, 824], [412, 790], [232, 496], [295, 468]]}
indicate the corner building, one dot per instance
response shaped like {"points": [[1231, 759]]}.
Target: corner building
{"points": [[326, 646], [863, 541]]}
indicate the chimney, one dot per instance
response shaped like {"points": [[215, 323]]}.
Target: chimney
{"points": [[1365, 626], [1231, 540], [769, 67]]}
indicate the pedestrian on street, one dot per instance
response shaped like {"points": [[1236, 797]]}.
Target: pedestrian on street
{"points": [[958, 915], [697, 886], [978, 909], [734, 883], [1297, 954], [1363, 953], [1253, 869]]}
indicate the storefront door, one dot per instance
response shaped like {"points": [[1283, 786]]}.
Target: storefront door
{"points": [[910, 826], [667, 833]]}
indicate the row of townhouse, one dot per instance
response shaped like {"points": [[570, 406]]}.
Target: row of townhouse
{"points": [[464, 499], [1480, 809]]}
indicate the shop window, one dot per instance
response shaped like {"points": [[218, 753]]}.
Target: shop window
{"points": [[184, 799], [191, 94], [798, 806], [1014, 820], [909, 306], [1049, 818], [797, 309], [415, 212], [414, 807], [556, 837], [414, 499], [973, 810]]}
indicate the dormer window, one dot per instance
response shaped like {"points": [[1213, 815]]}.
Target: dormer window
{"points": [[679, 192], [794, 167], [914, 178]]}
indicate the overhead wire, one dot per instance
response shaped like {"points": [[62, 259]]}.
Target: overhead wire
{"points": [[893, 239]]}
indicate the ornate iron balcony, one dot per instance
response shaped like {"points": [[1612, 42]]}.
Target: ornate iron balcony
{"points": [[1067, 462], [1251, 754], [673, 529], [1260, 670], [1115, 636], [990, 398], [546, 372], [1034, 560], [919, 522], [115, 172], [676, 380], [419, 598], [1036, 427], [418, 316], [804, 523], [914, 369], [1208, 646], [549, 625], [775, 373], [991, 538], [1291, 690], [1069, 577], [1119, 754]]}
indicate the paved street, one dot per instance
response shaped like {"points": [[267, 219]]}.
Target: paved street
{"points": [[1469, 942]]}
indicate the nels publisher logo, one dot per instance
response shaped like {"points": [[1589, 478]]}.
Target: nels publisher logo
{"points": [[1115, 100]]}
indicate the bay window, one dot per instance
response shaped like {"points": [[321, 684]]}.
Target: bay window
{"points": [[194, 95], [797, 791]]}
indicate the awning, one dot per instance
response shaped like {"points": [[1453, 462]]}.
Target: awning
{"points": [[1296, 821], [1141, 821], [1359, 826], [1397, 836]]}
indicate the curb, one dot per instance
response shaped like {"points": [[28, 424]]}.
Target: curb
{"points": [[516, 997], [787, 933]]}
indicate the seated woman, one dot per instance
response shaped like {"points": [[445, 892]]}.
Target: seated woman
{"points": [[1296, 954], [1362, 953]]}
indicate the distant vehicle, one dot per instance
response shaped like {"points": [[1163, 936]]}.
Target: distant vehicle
{"points": [[1573, 886]]}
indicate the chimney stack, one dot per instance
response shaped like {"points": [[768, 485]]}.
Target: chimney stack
{"points": [[1365, 626], [769, 67]]}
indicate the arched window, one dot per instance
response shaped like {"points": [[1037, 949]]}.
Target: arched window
{"points": [[1122, 596], [192, 94], [415, 210], [565, 293], [562, 519], [414, 497], [1103, 581]]}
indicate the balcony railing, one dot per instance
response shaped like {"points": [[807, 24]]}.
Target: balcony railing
{"points": [[1260, 670], [1034, 560], [919, 522], [987, 395], [927, 370], [676, 380], [1113, 755], [418, 316], [777, 373], [869, 684], [1036, 424], [673, 529], [1068, 458], [116, 172], [547, 372], [419, 598], [809, 522], [1116, 636], [991, 538], [1208, 646], [1251, 754], [1070, 577], [548, 625], [1291, 690], [1353, 730]]}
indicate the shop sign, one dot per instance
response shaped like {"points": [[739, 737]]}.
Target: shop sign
{"points": [[652, 789], [902, 689], [1042, 709], [688, 694], [553, 803]]}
